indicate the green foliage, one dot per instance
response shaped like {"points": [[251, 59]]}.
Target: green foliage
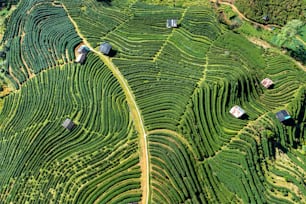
{"points": [[303, 33], [288, 32], [268, 134], [304, 149], [176, 3], [53, 39], [185, 81], [288, 38], [97, 160], [8, 3], [278, 11], [255, 31]]}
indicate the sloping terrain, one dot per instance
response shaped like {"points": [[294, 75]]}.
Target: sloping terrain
{"points": [[278, 11], [152, 121]]}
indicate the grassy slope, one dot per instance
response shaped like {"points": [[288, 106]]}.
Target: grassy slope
{"points": [[184, 82]]}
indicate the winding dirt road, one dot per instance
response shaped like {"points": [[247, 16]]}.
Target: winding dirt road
{"points": [[134, 111]]}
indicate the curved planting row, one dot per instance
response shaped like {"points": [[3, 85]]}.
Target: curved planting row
{"points": [[261, 140], [39, 36], [231, 56], [185, 81], [176, 177], [144, 34], [173, 172], [207, 123], [242, 163], [42, 162], [287, 77], [175, 69], [178, 55], [228, 80], [202, 22], [17, 66], [236, 149], [95, 18]]}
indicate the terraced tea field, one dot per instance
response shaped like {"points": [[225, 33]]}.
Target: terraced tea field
{"points": [[152, 121]]}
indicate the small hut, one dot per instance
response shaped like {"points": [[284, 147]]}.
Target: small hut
{"points": [[237, 111], [171, 23], [105, 48], [265, 18], [83, 49], [81, 58], [68, 124], [282, 115], [267, 83]]}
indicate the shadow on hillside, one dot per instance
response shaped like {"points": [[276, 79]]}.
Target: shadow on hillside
{"points": [[289, 122], [245, 117], [299, 54], [106, 2], [112, 53], [279, 147]]}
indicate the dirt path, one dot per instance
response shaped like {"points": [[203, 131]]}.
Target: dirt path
{"points": [[241, 15], [6, 91], [12, 75], [27, 69], [168, 38], [134, 110], [259, 42], [266, 27], [301, 40]]}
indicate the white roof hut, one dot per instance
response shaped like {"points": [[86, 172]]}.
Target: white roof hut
{"points": [[68, 124], [237, 111], [267, 82], [171, 23]]}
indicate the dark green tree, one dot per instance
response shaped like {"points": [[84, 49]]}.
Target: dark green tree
{"points": [[288, 32]]}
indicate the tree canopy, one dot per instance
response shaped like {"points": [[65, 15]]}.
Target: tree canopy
{"points": [[288, 32]]}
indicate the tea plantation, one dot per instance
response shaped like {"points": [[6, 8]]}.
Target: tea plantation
{"points": [[151, 121]]}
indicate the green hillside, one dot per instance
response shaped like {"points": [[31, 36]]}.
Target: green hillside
{"points": [[278, 11], [152, 121]]}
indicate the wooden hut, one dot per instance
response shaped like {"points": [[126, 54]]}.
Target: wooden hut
{"points": [[68, 124], [237, 111], [83, 49], [105, 48], [267, 83], [81, 58], [283, 115], [171, 23]]}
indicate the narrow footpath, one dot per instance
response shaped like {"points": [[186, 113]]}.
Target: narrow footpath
{"points": [[242, 16], [134, 110]]}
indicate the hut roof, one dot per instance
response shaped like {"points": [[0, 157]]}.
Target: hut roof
{"points": [[267, 82], [237, 111], [265, 18], [282, 115], [83, 49], [68, 124], [171, 23], [81, 58], [105, 48]]}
